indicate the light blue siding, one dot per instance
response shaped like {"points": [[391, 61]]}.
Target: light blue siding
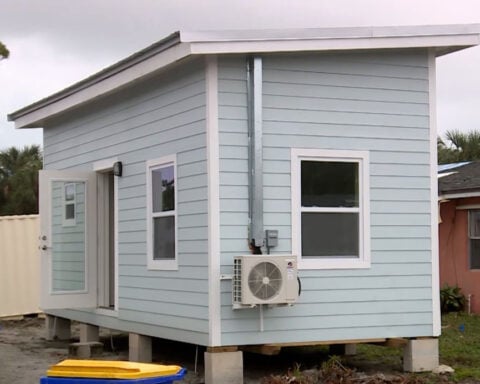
{"points": [[376, 102], [161, 116], [68, 240]]}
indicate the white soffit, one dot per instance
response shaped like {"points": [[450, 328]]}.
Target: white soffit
{"points": [[443, 38]]}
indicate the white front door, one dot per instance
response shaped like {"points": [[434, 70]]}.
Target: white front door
{"points": [[68, 239]]}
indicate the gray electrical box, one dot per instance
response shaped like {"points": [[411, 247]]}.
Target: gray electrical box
{"points": [[271, 238]]}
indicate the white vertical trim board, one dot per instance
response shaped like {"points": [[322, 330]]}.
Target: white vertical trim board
{"points": [[436, 320], [103, 166], [115, 240], [213, 169]]}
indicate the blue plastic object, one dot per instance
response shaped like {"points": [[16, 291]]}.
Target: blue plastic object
{"points": [[81, 380]]}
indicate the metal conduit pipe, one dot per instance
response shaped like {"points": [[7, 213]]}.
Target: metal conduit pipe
{"points": [[255, 152]]}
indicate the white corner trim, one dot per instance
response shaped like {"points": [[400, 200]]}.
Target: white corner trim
{"points": [[213, 169], [436, 320]]}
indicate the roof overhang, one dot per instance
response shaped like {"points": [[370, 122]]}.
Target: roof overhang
{"points": [[442, 39], [458, 195]]}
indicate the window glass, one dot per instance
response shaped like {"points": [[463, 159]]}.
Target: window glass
{"points": [[70, 200], [69, 211], [474, 234], [164, 238], [474, 223], [163, 189], [330, 234], [161, 208], [69, 192], [329, 184]]}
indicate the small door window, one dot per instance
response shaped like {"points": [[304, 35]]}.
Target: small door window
{"points": [[69, 204]]}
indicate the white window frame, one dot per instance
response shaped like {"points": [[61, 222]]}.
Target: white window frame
{"points": [[162, 162], [471, 236], [362, 159], [73, 221]]}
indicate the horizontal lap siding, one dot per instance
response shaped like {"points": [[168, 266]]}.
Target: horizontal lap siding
{"points": [[233, 136], [376, 102], [68, 241], [163, 116]]}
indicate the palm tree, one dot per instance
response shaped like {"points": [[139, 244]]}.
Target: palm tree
{"points": [[4, 52], [19, 180], [459, 146]]}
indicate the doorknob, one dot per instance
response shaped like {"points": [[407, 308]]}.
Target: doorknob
{"points": [[44, 248]]}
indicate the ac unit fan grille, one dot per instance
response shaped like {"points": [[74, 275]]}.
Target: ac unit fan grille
{"points": [[265, 280]]}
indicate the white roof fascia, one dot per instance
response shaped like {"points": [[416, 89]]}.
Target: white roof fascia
{"points": [[459, 42], [464, 195], [240, 41], [104, 86], [329, 33], [444, 39]]}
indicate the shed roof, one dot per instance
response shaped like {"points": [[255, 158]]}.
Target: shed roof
{"points": [[459, 180], [442, 39]]}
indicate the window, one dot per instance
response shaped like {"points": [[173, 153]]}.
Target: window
{"points": [[474, 238], [161, 213], [69, 204], [330, 208]]}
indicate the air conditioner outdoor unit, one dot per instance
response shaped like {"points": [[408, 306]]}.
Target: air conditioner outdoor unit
{"points": [[265, 279]]}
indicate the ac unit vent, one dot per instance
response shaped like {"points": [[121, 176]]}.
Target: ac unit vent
{"points": [[266, 279], [237, 278]]}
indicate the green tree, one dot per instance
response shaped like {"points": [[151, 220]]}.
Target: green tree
{"points": [[19, 180], [458, 146], [4, 52]]}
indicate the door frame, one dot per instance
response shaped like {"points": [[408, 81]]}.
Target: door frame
{"points": [[99, 168]]}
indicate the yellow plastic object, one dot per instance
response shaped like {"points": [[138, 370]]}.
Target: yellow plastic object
{"points": [[101, 369]]}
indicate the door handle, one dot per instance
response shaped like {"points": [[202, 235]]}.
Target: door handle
{"points": [[43, 247]]}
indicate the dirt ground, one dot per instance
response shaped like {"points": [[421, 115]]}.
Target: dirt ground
{"points": [[25, 355]]}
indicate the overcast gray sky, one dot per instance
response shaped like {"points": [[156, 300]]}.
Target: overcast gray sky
{"points": [[55, 43]]}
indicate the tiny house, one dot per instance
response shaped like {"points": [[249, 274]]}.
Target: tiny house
{"points": [[237, 188]]}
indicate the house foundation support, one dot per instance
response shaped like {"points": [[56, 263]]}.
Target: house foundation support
{"points": [[343, 349], [223, 365], [57, 328], [85, 350], [420, 355], [89, 345], [89, 333], [139, 348]]}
